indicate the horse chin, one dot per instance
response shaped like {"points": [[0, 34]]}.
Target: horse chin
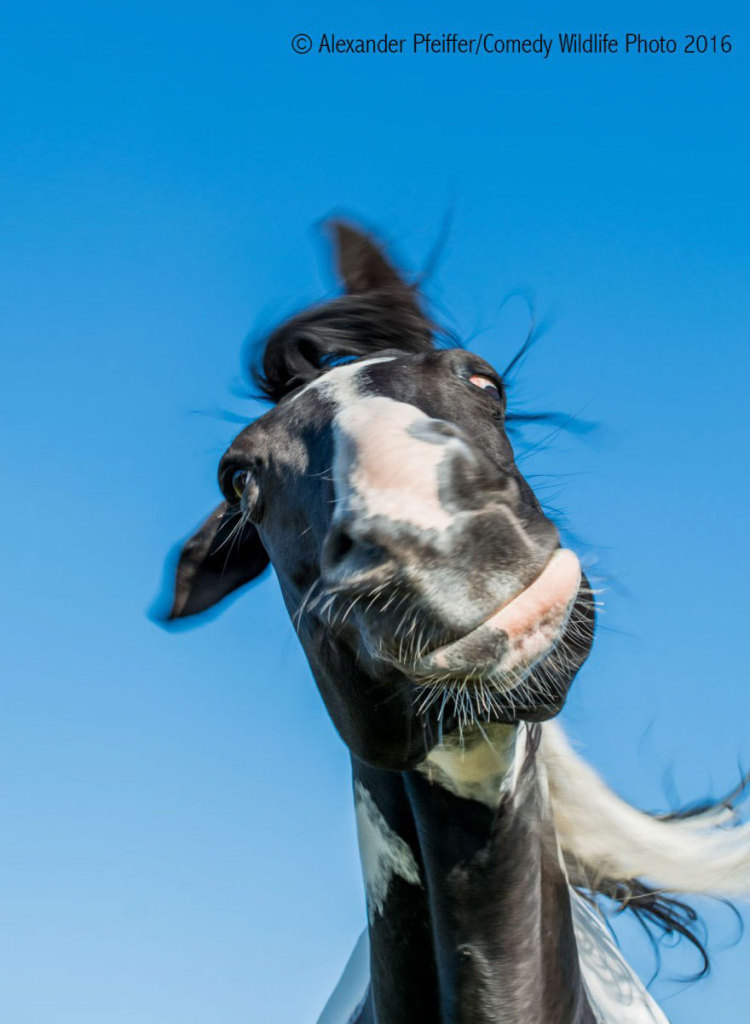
{"points": [[519, 663], [534, 692]]}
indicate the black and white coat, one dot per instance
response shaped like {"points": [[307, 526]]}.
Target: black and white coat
{"points": [[522, 943], [444, 624]]}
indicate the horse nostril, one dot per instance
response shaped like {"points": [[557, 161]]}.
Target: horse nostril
{"points": [[345, 555], [338, 544]]}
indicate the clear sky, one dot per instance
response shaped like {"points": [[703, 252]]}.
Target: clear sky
{"points": [[178, 841]]}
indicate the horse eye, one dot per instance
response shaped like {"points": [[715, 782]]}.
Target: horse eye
{"points": [[239, 481], [485, 384]]}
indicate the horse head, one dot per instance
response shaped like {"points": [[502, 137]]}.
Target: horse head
{"points": [[427, 586]]}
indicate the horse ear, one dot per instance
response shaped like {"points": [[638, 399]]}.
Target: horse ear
{"points": [[222, 555], [361, 263]]}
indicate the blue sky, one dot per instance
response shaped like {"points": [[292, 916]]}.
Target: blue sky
{"points": [[178, 837]]}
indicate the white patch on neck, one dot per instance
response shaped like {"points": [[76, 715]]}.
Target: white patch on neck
{"points": [[616, 993], [383, 853], [483, 772], [480, 765]]}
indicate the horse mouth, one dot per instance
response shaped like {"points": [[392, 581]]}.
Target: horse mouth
{"points": [[507, 645]]}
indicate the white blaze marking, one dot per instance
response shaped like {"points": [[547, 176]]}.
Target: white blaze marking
{"points": [[339, 382], [383, 853], [381, 470]]}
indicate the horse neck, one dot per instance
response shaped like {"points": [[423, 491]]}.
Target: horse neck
{"points": [[468, 904]]}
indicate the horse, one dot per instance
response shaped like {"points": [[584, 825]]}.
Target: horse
{"points": [[444, 624]]}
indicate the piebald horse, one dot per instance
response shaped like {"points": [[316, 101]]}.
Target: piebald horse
{"points": [[444, 624]]}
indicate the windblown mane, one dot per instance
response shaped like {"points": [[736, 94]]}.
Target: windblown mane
{"points": [[637, 860], [349, 326], [379, 310]]}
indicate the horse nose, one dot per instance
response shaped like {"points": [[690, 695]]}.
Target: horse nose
{"points": [[386, 492], [407, 487], [348, 552]]}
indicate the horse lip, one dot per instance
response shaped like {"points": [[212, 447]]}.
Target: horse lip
{"points": [[562, 571]]}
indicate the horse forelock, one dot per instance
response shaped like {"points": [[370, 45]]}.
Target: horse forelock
{"points": [[348, 327]]}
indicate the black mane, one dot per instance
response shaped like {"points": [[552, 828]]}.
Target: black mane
{"points": [[349, 326]]}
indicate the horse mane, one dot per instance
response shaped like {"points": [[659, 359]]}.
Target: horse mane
{"points": [[637, 860], [347, 327]]}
